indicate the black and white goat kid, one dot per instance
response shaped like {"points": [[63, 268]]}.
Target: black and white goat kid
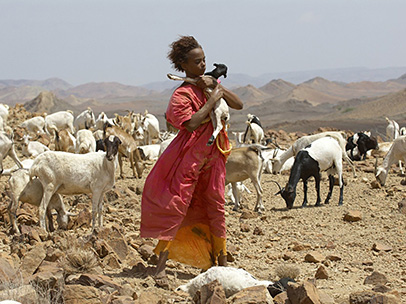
{"points": [[220, 111], [361, 142], [323, 154]]}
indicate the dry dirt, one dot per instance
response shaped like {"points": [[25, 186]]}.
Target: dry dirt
{"points": [[279, 237]]}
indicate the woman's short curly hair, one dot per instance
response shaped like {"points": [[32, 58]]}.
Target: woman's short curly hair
{"points": [[179, 50]]}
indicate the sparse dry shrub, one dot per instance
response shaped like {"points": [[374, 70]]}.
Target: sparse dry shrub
{"points": [[79, 260], [47, 294], [79, 256], [287, 271]]}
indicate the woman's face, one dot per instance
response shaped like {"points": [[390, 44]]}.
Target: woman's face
{"points": [[196, 63]]}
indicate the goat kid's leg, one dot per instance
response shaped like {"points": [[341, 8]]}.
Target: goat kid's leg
{"points": [[330, 189], [237, 204], [217, 126]]}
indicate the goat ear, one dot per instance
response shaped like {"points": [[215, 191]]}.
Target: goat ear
{"points": [[279, 192]]}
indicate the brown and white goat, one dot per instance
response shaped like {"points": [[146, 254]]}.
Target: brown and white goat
{"points": [[128, 148], [242, 163]]}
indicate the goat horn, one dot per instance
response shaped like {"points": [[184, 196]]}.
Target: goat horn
{"points": [[276, 144], [376, 165], [280, 188], [275, 152]]}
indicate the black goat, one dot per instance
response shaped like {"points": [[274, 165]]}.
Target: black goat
{"points": [[363, 142], [323, 154]]}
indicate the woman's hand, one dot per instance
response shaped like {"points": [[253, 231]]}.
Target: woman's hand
{"points": [[216, 94], [205, 82]]}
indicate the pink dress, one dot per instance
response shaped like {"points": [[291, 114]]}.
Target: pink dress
{"points": [[186, 185]]}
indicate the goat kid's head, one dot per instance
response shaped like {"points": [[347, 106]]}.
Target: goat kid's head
{"points": [[111, 144], [220, 70], [288, 193]]}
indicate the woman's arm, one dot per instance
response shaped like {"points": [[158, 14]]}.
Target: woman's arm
{"points": [[232, 99]]}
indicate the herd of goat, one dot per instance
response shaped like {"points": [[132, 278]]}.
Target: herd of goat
{"points": [[83, 153]]}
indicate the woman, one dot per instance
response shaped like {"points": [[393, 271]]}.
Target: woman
{"points": [[183, 198]]}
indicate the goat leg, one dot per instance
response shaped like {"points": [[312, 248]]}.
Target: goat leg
{"points": [[236, 194], [330, 189], [317, 182], [340, 200], [304, 204]]}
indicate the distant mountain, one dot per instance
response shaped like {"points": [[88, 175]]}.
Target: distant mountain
{"points": [[251, 95], [105, 89], [277, 87], [49, 103], [12, 95], [47, 84], [392, 105]]}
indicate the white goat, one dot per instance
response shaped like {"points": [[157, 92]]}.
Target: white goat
{"points": [[34, 125], [392, 130], [26, 164], [85, 142], [84, 120], [397, 152], [220, 110], [232, 279], [254, 131], [240, 187], [304, 141], [150, 126], [238, 137], [275, 153], [102, 119], [30, 191], [149, 152], [4, 112], [67, 173], [242, 163], [7, 149], [382, 151], [60, 120], [164, 145], [323, 154], [32, 148]]}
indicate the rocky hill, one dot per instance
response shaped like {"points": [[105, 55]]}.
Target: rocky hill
{"points": [[277, 103], [47, 102]]}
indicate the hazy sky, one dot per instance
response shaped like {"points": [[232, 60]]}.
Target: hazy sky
{"points": [[127, 40]]}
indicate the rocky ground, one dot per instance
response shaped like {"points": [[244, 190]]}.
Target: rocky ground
{"points": [[351, 242]]}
